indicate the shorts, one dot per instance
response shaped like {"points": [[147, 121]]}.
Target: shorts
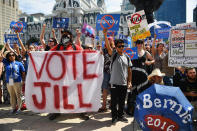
{"points": [[106, 78]]}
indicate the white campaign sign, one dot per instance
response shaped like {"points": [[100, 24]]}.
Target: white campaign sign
{"points": [[64, 81], [183, 48]]}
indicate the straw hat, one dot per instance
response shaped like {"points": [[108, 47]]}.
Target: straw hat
{"points": [[156, 72]]}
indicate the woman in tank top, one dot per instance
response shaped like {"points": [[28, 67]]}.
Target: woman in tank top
{"points": [[158, 54]]}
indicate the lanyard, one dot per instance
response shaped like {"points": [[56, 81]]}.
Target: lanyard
{"points": [[11, 67]]}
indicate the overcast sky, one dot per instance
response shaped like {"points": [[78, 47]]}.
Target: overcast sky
{"points": [[45, 6]]}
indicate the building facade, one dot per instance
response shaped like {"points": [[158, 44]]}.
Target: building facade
{"points": [[195, 15], [173, 11], [78, 12], [9, 11]]}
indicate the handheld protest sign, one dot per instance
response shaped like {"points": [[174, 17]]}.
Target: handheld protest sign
{"points": [[163, 108], [88, 31], [138, 25], [183, 47], [131, 52], [60, 23], [162, 33], [11, 39], [161, 28], [17, 26], [108, 21]]}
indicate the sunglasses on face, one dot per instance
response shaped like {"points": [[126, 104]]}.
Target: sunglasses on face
{"points": [[50, 40], [120, 46], [11, 55]]}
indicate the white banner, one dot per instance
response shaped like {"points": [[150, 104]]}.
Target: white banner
{"points": [[64, 81], [138, 25]]}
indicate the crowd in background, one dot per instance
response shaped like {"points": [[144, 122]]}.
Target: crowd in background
{"points": [[122, 75]]}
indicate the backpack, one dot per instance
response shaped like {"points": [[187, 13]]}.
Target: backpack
{"points": [[115, 55]]}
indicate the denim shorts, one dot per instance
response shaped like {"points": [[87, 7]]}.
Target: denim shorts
{"points": [[106, 78]]}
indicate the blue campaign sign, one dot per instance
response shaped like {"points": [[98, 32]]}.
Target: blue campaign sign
{"points": [[164, 108], [11, 39], [18, 26], [162, 33], [108, 21], [131, 52], [60, 23]]}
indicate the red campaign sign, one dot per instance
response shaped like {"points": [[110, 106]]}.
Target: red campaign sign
{"points": [[160, 123], [104, 19], [136, 18], [129, 53]]}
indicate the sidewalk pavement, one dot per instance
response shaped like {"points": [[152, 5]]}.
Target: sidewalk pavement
{"points": [[30, 121]]}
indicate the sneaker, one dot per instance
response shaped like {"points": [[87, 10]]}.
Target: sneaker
{"points": [[54, 116], [123, 119], [114, 120], [102, 110], [12, 111], [18, 112], [84, 116]]}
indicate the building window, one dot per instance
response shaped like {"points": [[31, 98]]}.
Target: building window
{"points": [[9, 2], [91, 21], [13, 3]]}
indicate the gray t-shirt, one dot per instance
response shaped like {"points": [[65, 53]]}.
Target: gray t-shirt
{"points": [[119, 72]]}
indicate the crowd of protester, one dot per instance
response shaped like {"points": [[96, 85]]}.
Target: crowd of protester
{"points": [[122, 75]]}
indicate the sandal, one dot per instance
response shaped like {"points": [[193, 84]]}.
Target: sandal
{"points": [[102, 110]]}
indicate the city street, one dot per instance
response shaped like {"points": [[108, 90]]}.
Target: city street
{"points": [[28, 120]]}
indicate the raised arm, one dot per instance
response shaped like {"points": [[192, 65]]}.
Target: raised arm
{"points": [[153, 46], [109, 49], [7, 46], [42, 36], [78, 41], [54, 36], [20, 42]]}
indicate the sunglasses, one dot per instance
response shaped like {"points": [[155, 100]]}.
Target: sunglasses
{"points": [[50, 40], [120, 46], [11, 55], [89, 47]]}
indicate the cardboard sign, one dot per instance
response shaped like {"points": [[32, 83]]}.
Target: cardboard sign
{"points": [[163, 108], [64, 81], [18, 26], [138, 25], [183, 48], [60, 23], [109, 21], [131, 52]]}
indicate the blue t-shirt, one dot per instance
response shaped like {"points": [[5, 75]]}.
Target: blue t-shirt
{"points": [[13, 70]]}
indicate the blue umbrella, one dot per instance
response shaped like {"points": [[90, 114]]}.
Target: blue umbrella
{"points": [[163, 108], [158, 24]]}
